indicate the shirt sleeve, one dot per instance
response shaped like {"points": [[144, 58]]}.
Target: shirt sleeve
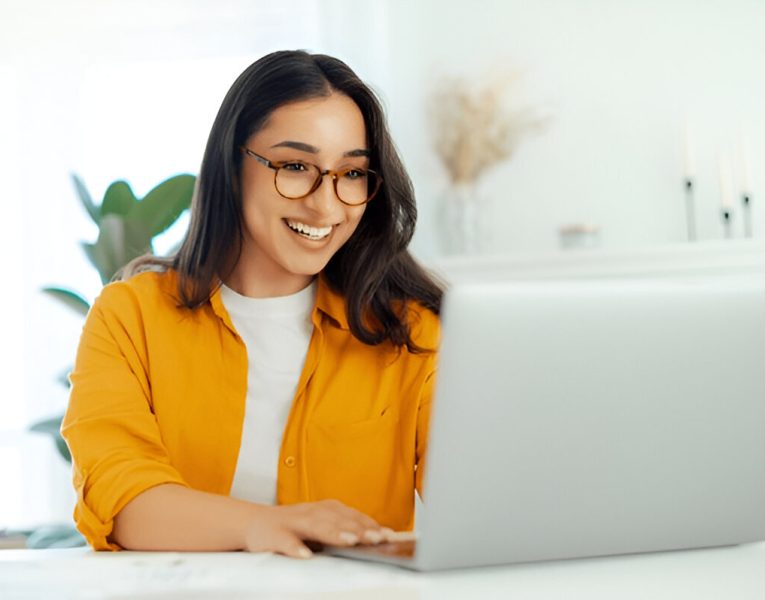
{"points": [[109, 426], [423, 426]]}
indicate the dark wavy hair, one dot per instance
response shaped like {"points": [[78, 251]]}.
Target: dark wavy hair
{"points": [[373, 270]]}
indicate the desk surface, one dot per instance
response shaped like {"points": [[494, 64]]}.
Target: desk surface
{"points": [[734, 573]]}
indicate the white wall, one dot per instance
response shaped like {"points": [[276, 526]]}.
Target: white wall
{"points": [[113, 89], [617, 78]]}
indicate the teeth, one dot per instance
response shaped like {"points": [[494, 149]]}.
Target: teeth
{"points": [[308, 231]]}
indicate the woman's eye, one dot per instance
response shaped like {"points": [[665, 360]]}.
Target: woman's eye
{"points": [[296, 166], [355, 174]]}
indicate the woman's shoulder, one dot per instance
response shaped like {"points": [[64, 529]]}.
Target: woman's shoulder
{"points": [[143, 291]]}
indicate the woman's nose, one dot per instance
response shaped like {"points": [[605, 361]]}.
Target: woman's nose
{"points": [[323, 200]]}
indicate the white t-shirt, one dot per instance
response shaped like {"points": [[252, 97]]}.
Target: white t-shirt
{"points": [[277, 332]]}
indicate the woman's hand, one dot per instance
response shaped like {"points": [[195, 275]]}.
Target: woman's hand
{"points": [[283, 529], [173, 518]]}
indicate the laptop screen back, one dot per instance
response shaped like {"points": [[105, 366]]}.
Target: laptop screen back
{"points": [[591, 418]]}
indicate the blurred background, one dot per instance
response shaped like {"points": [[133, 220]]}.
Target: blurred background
{"points": [[581, 122]]}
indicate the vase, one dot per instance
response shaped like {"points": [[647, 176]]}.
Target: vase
{"points": [[463, 221]]}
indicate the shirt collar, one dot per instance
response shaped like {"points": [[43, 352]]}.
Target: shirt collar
{"points": [[328, 301], [331, 303], [219, 308]]}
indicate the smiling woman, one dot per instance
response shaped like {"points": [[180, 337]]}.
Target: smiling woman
{"points": [[292, 223], [270, 384]]}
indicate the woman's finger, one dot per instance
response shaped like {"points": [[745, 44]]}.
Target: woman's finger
{"points": [[331, 522], [293, 547], [348, 514]]}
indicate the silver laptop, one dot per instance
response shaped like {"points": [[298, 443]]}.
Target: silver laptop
{"points": [[589, 418]]}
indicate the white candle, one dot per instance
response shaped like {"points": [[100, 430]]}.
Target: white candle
{"points": [[689, 164], [744, 165], [726, 185]]}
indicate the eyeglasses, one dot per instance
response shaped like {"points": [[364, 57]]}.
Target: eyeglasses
{"points": [[295, 179]]}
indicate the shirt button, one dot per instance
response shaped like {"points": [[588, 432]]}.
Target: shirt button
{"points": [[290, 461]]}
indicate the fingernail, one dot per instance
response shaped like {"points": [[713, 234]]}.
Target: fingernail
{"points": [[373, 536], [349, 538], [387, 532], [402, 536], [305, 553]]}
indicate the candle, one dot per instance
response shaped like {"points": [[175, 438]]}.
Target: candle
{"points": [[744, 165], [689, 164], [726, 185]]}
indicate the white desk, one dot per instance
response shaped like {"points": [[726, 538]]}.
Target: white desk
{"points": [[734, 573]]}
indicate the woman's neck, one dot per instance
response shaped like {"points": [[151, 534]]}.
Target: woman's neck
{"points": [[265, 280]]}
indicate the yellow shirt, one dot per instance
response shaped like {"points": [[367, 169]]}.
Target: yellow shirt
{"points": [[158, 396]]}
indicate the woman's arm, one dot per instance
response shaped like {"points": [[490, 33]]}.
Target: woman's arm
{"points": [[172, 517], [129, 493]]}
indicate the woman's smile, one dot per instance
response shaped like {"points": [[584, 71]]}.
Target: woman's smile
{"points": [[309, 232]]}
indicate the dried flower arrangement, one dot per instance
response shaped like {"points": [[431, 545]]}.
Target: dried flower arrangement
{"points": [[473, 128]]}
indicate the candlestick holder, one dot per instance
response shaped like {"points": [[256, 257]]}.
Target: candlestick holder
{"points": [[727, 218], [690, 212], [746, 203]]}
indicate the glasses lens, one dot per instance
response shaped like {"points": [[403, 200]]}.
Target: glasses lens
{"points": [[295, 180], [355, 186]]}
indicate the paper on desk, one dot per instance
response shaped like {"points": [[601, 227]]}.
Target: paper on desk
{"points": [[192, 576], [105, 575]]}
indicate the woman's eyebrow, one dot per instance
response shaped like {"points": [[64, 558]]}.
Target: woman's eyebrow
{"points": [[297, 146], [357, 152], [303, 147]]}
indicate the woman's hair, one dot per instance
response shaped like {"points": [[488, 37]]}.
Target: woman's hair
{"points": [[373, 270]]}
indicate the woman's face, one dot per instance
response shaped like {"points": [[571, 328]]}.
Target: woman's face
{"points": [[328, 132]]}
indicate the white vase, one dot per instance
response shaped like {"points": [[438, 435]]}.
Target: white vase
{"points": [[463, 221]]}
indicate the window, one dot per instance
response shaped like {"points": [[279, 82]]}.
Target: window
{"points": [[124, 91]]}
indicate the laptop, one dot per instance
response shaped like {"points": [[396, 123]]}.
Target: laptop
{"points": [[590, 418]]}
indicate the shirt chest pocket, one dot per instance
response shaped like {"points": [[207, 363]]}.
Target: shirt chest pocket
{"points": [[358, 463]]}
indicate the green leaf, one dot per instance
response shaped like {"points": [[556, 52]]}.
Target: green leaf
{"points": [[55, 536], [118, 199], [107, 254], [69, 298], [63, 449], [85, 198], [63, 377], [137, 238], [99, 258], [52, 427], [120, 240], [162, 206]]}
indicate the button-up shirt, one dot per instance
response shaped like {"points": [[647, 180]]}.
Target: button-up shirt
{"points": [[158, 396]]}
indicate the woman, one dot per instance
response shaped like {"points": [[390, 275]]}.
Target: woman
{"points": [[271, 383]]}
